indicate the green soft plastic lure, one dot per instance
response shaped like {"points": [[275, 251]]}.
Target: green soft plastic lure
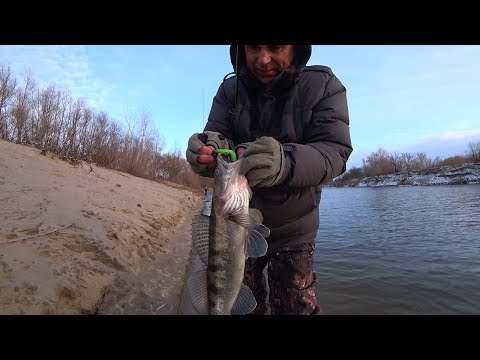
{"points": [[230, 153]]}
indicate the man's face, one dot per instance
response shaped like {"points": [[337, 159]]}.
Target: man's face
{"points": [[266, 61]]}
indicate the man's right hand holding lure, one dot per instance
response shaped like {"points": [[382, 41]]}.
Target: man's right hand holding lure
{"points": [[263, 164]]}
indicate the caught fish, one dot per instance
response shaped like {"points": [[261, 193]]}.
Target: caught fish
{"points": [[223, 241]]}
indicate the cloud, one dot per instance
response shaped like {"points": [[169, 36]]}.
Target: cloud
{"points": [[65, 66], [460, 135]]}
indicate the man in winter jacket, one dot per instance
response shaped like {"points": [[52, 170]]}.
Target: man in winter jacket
{"points": [[290, 122]]}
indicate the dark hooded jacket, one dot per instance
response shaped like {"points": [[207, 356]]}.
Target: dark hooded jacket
{"points": [[305, 109]]}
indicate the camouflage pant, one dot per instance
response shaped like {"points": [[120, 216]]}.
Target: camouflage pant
{"points": [[291, 281]]}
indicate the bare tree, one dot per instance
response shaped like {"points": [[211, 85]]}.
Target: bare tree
{"points": [[421, 162], [396, 162], [84, 139], [129, 119], [7, 90], [473, 151], [453, 161], [98, 139], [407, 161], [61, 119], [51, 120], [172, 166], [378, 163], [22, 108], [70, 138], [436, 162], [158, 140]]}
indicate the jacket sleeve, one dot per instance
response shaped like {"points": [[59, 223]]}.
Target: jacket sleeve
{"points": [[220, 112], [326, 140]]}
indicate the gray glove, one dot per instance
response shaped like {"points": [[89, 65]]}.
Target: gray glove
{"points": [[263, 162], [196, 141]]}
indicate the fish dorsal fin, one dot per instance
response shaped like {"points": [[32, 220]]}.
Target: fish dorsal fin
{"points": [[200, 226], [245, 302], [197, 287], [255, 245]]}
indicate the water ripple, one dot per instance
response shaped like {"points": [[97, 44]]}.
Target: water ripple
{"points": [[399, 250]]}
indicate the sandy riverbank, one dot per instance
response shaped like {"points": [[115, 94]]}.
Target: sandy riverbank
{"points": [[87, 240]]}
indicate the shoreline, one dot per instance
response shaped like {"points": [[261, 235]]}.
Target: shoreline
{"points": [[75, 238]]}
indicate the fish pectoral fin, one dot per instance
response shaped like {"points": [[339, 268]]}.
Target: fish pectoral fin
{"points": [[197, 287], [251, 221], [256, 215], [255, 245], [262, 229], [245, 302], [200, 227], [243, 220]]}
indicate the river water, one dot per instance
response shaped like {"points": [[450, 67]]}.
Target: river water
{"points": [[399, 250]]}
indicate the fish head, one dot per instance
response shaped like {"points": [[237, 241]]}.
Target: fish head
{"points": [[231, 187]]}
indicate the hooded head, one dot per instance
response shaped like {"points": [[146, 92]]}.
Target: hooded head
{"points": [[301, 57]]}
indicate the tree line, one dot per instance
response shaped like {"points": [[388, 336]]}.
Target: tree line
{"points": [[52, 121], [381, 162]]}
